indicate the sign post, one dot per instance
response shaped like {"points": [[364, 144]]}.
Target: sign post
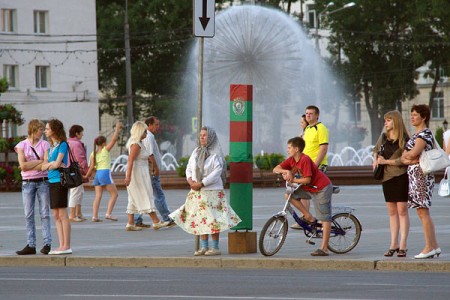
{"points": [[204, 26]]}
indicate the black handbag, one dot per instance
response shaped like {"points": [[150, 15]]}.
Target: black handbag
{"points": [[71, 176], [378, 172]]}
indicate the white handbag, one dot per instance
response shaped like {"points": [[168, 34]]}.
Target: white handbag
{"points": [[444, 190], [434, 160]]}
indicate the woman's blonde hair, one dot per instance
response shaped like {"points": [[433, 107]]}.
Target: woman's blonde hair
{"points": [[400, 132], [136, 132], [34, 125]]}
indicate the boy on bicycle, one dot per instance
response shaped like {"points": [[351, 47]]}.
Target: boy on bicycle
{"points": [[299, 168]]}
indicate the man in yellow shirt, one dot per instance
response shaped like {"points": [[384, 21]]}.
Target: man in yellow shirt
{"points": [[316, 140]]}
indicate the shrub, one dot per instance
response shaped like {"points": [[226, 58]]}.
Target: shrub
{"points": [[182, 165], [268, 161]]}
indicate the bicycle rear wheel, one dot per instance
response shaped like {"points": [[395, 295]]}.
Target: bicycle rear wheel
{"points": [[345, 233], [273, 235]]}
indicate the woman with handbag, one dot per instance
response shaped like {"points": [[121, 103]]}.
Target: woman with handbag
{"points": [[421, 184], [54, 158], [387, 155]]}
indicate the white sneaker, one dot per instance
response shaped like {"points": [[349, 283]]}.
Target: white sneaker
{"points": [[212, 252], [159, 225], [132, 228], [200, 252]]}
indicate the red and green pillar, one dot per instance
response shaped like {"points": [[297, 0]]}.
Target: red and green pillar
{"points": [[241, 157]]}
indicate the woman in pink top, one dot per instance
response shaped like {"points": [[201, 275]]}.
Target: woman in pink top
{"points": [[30, 154]]}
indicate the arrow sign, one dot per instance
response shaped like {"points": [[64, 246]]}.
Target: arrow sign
{"points": [[204, 19], [204, 12]]}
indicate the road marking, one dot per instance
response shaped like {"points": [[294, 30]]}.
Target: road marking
{"points": [[202, 297]]}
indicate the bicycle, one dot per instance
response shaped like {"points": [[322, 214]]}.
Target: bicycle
{"points": [[345, 228]]}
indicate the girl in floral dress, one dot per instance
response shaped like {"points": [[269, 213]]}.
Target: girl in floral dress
{"points": [[206, 210], [421, 185]]}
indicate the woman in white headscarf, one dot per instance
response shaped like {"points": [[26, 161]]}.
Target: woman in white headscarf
{"points": [[206, 210]]}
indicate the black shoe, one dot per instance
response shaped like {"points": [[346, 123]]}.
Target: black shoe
{"points": [[27, 251], [46, 249]]}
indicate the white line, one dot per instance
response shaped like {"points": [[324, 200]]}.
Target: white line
{"points": [[200, 297], [77, 279]]}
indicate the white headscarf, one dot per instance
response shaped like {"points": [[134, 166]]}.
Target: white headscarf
{"points": [[203, 152]]}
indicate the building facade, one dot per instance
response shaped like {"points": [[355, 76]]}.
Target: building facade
{"points": [[49, 57]]}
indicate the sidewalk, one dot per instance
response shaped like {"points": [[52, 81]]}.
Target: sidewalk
{"points": [[107, 244]]}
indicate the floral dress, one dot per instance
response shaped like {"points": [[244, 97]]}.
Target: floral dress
{"points": [[206, 211], [420, 189]]}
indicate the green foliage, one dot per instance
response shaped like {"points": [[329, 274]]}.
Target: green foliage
{"points": [[4, 85], [182, 165], [160, 39], [383, 43], [9, 113], [2, 173], [268, 161]]}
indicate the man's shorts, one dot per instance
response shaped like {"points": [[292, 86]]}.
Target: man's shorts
{"points": [[321, 200], [102, 177], [76, 195]]}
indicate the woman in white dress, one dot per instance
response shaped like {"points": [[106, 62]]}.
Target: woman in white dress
{"points": [[206, 210], [137, 179]]}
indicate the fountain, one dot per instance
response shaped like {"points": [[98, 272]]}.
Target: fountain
{"points": [[268, 49]]}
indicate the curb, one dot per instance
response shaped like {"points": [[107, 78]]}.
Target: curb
{"points": [[224, 263]]}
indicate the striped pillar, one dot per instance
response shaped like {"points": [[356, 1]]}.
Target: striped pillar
{"points": [[241, 157]]}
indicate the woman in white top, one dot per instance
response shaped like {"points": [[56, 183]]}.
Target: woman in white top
{"points": [[206, 210]]}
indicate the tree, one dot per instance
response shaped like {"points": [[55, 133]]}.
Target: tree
{"points": [[378, 40], [160, 34]]}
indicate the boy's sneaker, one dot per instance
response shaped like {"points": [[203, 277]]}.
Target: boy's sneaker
{"points": [[46, 249], [212, 252], [336, 189], [27, 251]]}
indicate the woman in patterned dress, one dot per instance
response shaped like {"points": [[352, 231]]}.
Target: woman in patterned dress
{"points": [[420, 184], [206, 210]]}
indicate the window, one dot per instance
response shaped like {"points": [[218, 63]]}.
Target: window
{"points": [[438, 106], [311, 9], [40, 21], [8, 19], [10, 73], [42, 77]]}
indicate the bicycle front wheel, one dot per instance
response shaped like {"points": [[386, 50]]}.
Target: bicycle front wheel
{"points": [[345, 233], [273, 235]]}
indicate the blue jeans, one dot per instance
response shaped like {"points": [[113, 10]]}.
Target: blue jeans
{"points": [[160, 201], [29, 192]]}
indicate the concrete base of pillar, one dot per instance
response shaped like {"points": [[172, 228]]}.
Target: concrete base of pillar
{"points": [[242, 242]]}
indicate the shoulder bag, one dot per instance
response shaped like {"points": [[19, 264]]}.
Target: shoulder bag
{"points": [[71, 176], [434, 160], [444, 190], [378, 172]]}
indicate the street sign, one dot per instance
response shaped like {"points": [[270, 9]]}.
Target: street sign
{"points": [[204, 12]]}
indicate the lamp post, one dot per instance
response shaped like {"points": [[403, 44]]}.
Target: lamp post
{"points": [[129, 90], [328, 12], [445, 124]]}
